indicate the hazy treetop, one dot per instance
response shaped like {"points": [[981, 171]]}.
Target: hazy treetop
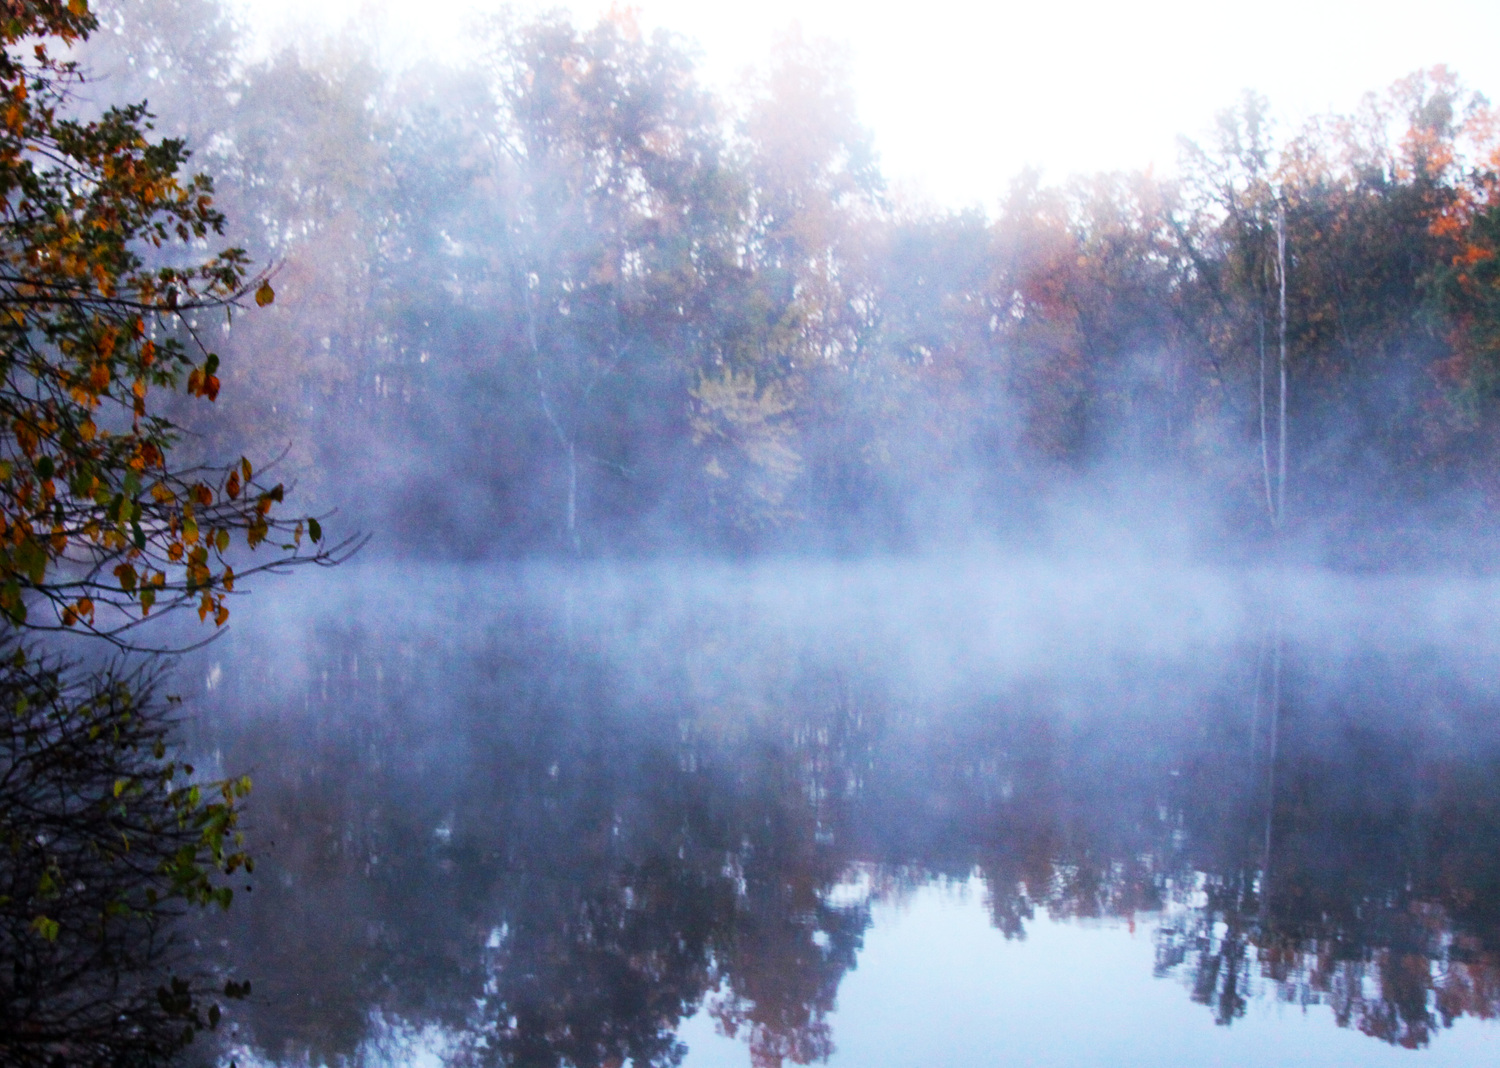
{"points": [[962, 96]]}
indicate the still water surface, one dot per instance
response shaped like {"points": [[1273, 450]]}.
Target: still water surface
{"points": [[939, 813]]}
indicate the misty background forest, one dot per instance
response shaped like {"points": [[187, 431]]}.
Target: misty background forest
{"points": [[566, 300]]}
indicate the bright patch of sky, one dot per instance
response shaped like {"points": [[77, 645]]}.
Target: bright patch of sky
{"points": [[962, 95], [1070, 995]]}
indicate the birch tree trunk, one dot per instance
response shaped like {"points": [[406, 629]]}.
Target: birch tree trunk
{"points": [[1281, 362]]}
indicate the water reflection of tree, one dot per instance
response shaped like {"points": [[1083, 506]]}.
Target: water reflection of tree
{"points": [[1384, 871], [788, 946], [614, 873], [555, 860], [1379, 895]]}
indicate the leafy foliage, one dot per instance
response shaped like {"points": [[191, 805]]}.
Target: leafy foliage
{"points": [[742, 428], [105, 840], [102, 303]]}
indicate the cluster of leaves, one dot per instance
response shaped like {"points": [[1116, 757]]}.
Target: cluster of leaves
{"points": [[749, 445], [95, 321], [105, 839], [1468, 284]]}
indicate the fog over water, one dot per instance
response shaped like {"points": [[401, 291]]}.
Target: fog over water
{"points": [[933, 622], [560, 815]]}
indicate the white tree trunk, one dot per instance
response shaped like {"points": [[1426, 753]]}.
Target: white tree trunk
{"points": [[1281, 360]]}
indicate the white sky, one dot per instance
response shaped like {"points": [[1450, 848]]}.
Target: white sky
{"points": [[961, 95]]}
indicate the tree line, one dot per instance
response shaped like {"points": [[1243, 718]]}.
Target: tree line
{"points": [[564, 298]]}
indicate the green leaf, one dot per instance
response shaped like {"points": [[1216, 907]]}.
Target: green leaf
{"points": [[12, 605], [126, 574], [314, 530], [32, 560]]}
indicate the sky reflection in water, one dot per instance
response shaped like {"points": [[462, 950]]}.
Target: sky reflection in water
{"points": [[937, 984], [887, 815]]}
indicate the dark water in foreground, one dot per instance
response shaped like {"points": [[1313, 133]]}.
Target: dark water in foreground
{"points": [[930, 814]]}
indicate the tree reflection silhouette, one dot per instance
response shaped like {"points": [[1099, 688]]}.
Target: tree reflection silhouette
{"points": [[552, 857], [613, 874]]}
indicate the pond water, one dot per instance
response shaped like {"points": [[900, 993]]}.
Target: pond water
{"points": [[902, 813]]}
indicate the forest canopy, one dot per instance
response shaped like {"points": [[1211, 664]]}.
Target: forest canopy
{"points": [[566, 299]]}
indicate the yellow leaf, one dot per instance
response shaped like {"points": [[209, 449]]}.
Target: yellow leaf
{"points": [[264, 295]]}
